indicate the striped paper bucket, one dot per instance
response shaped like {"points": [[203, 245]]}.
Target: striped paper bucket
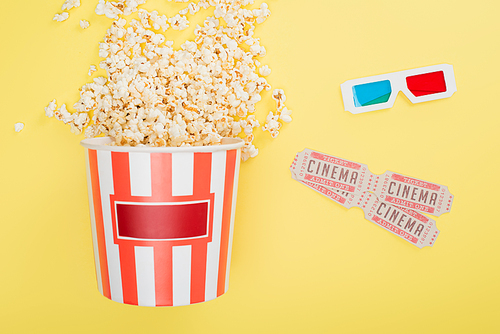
{"points": [[162, 220]]}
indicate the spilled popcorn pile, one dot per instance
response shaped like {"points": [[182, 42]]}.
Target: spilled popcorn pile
{"points": [[155, 95]]}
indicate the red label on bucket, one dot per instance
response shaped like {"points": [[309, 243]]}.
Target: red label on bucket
{"points": [[162, 221]]}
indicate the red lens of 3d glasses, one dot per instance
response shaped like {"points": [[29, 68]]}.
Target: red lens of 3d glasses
{"points": [[427, 83]]}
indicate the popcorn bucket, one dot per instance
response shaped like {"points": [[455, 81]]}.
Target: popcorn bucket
{"points": [[162, 220]]}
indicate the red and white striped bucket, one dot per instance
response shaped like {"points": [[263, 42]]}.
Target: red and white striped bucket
{"points": [[162, 220]]}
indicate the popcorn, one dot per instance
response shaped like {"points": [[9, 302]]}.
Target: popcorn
{"points": [[264, 70], [279, 96], [77, 121], [285, 115], [18, 127], [158, 22], [262, 13], [68, 4], [272, 125], [193, 8], [49, 110], [62, 114], [109, 9], [248, 151], [84, 24], [178, 22], [156, 95], [249, 124], [61, 17], [92, 69]]}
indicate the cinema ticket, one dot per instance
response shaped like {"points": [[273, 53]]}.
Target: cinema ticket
{"points": [[390, 200], [335, 173]]}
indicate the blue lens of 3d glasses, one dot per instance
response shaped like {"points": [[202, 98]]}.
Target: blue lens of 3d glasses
{"points": [[371, 93]]}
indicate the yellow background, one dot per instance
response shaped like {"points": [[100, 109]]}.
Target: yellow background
{"points": [[301, 263]]}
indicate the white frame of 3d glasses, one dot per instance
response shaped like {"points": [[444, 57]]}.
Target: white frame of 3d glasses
{"points": [[398, 84]]}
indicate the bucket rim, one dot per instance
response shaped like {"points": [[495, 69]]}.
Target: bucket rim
{"points": [[101, 144]]}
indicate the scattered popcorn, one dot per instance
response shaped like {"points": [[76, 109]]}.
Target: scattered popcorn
{"points": [[62, 114], [178, 22], [68, 4], [111, 9], [158, 21], [262, 13], [84, 24], [108, 8], [49, 110], [264, 70], [279, 97], [18, 127], [272, 125], [248, 151], [156, 95], [61, 17], [193, 8], [249, 124], [77, 121], [92, 69], [285, 115]]}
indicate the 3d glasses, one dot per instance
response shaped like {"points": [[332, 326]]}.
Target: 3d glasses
{"points": [[380, 91]]}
